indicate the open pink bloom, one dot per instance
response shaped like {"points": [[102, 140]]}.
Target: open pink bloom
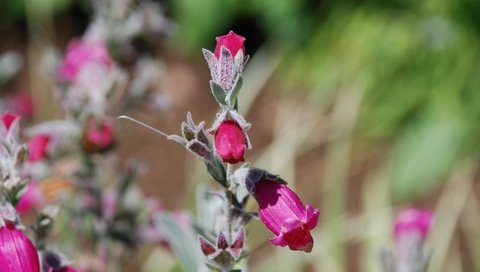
{"points": [[413, 221], [230, 142], [37, 147], [99, 134], [80, 53], [31, 198], [17, 253], [232, 42], [8, 118], [282, 211]]}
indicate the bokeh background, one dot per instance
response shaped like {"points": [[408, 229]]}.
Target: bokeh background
{"points": [[364, 107]]}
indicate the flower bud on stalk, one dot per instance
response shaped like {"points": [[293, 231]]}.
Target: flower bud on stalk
{"points": [[280, 209], [411, 228], [226, 66], [231, 141]]}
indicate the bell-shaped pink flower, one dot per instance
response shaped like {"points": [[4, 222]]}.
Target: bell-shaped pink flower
{"points": [[99, 134], [232, 42], [413, 221], [230, 142], [17, 253], [79, 53], [282, 211], [37, 147], [30, 199], [8, 118]]}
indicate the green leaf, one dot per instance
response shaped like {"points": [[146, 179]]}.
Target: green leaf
{"points": [[217, 171], [232, 96], [183, 242], [219, 93]]}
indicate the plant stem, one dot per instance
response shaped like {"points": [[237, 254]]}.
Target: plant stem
{"points": [[228, 202]]}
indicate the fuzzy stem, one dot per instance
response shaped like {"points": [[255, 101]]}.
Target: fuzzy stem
{"points": [[228, 202]]}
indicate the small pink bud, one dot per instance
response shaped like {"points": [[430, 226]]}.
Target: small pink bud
{"points": [[31, 198], [99, 134], [80, 53], [232, 42], [230, 142], [8, 119], [282, 211], [17, 253], [37, 147], [413, 221]]}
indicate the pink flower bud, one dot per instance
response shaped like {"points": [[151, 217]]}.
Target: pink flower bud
{"points": [[232, 42], [8, 119], [230, 142], [99, 134], [17, 253], [228, 60], [413, 221], [80, 53], [31, 198], [37, 147], [282, 211]]}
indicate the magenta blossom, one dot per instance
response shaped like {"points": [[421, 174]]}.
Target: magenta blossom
{"points": [[413, 221], [232, 42], [99, 134], [17, 253], [80, 53], [30, 199], [282, 211], [37, 147], [230, 142], [8, 119]]}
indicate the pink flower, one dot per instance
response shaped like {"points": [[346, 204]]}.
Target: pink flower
{"points": [[17, 253], [232, 42], [230, 142], [413, 221], [282, 211], [99, 134], [37, 147], [31, 198], [227, 62], [21, 104], [80, 53], [8, 119]]}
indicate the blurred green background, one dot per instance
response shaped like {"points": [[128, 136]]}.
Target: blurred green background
{"points": [[366, 107]]}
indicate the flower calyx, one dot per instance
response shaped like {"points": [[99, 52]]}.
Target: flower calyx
{"points": [[224, 254]]}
